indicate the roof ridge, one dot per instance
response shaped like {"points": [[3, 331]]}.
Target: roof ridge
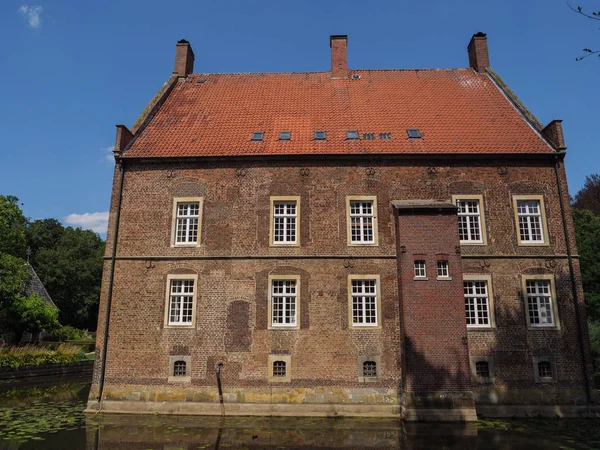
{"points": [[327, 71]]}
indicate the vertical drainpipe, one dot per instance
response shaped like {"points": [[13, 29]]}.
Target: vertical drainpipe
{"points": [[573, 282], [400, 305], [111, 276]]}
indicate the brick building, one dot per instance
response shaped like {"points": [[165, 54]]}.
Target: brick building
{"points": [[352, 242]]}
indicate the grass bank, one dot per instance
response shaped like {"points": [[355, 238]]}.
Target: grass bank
{"points": [[32, 356]]}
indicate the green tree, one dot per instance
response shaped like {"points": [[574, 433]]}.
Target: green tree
{"points": [[588, 196], [587, 231], [12, 227], [43, 233], [35, 314], [14, 278], [71, 270]]}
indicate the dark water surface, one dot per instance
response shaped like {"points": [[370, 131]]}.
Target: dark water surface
{"points": [[48, 416]]}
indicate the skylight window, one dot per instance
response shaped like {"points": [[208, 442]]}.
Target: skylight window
{"points": [[385, 136], [414, 133], [257, 136], [369, 136], [285, 135], [320, 135], [352, 134]]}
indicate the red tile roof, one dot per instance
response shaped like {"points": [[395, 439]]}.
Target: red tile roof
{"points": [[456, 110]]}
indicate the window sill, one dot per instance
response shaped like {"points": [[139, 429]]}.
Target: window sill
{"points": [[365, 327], [185, 245], [444, 278], [179, 379], [546, 380], [547, 328], [286, 379], [181, 327], [363, 244], [368, 379], [472, 243], [421, 278], [281, 328], [480, 328], [284, 245], [534, 244]]}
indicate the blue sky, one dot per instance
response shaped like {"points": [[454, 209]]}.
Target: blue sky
{"points": [[71, 70]]}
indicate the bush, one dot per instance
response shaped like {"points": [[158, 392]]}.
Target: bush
{"points": [[594, 331], [69, 333], [31, 356]]}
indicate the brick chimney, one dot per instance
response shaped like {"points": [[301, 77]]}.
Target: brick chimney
{"points": [[124, 137], [479, 58], [554, 133], [184, 58], [339, 60]]}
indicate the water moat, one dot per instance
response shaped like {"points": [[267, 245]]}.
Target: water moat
{"points": [[49, 415]]}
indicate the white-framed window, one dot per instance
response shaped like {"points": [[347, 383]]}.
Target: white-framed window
{"points": [[529, 216], [362, 220], [284, 303], [469, 220], [477, 303], [187, 221], [180, 300], [285, 212], [364, 302], [284, 222], [420, 271], [442, 269], [540, 304]]}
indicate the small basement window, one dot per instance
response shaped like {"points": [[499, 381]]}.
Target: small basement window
{"points": [[482, 369], [544, 369], [413, 133], [320, 135], [352, 134], [369, 136], [285, 135], [257, 136], [385, 136], [279, 368], [180, 369], [369, 369]]}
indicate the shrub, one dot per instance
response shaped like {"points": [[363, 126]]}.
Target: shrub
{"points": [[31, 356], [69, 333]]}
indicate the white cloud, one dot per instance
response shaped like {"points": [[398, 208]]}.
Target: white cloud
{"points": [[97, 221], [33, 14], [108, 154]]}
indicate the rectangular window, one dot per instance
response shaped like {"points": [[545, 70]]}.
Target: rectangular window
{"points": [[540, 304], [442, 269], [362, 220], [285, 135], [420, 269], [352, 134], [320, 135], [187, 221], [469, 221], [530, 221], [477, 303], [181, 301], [364, 302], [283, 303], [284, 220]]}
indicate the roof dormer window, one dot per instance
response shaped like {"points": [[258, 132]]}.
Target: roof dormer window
{"points": [[414, 133], [352, 134], [320, 136], [385, 136], [285, 135], [257, 136]]}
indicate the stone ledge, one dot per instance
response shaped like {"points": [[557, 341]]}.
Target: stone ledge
{"points": [[563, 411], [243, 409], [439, 415]]}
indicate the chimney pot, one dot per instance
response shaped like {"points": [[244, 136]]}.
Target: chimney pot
{"points": [[184, 58], [554, 133], [339, 59], [479, 58]]}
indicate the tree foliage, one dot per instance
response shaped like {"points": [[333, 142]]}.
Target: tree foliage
{"points": [[589, 195], [35, 314], [67, 260], [12, 227], [71, 270]]}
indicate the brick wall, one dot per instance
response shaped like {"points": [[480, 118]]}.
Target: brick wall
{"points": [[234, 260]]}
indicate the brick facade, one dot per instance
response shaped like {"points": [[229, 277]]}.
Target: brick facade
{"points": [[234, 260]]}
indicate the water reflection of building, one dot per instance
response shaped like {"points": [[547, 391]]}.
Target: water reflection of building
{"points": [[353, 242]]}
